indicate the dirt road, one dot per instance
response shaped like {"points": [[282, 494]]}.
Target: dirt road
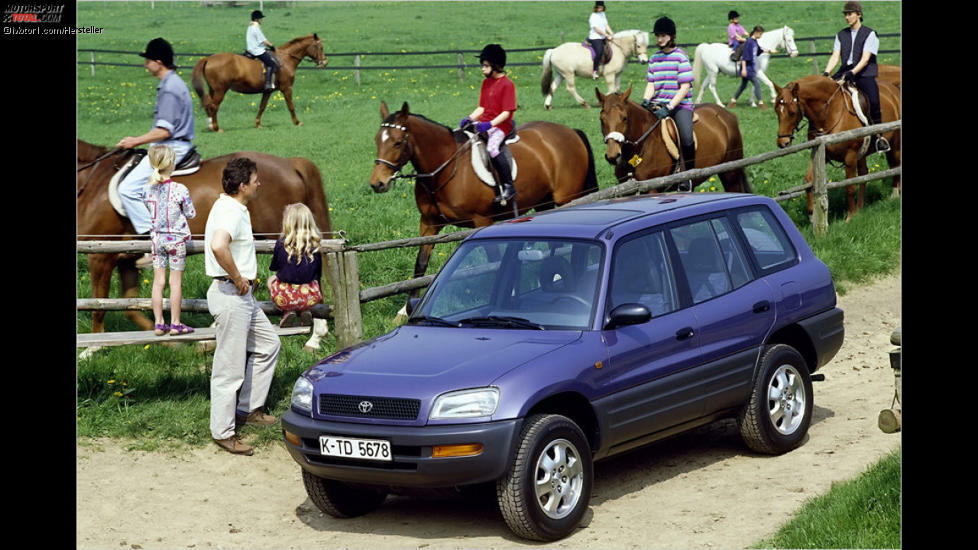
{"points": [[701, 490]]}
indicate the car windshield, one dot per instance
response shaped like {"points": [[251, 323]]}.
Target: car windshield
{"points": [[525, 284]]}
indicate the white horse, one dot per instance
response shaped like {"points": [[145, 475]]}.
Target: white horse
{"points": [[571, 58], [716, 57]]}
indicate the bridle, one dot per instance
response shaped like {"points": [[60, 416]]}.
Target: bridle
{"points": [[407, 153], [821, 115], [622, 140]]}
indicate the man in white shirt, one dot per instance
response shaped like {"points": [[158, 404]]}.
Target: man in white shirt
{"points": [[256, 43], [247, 344]]}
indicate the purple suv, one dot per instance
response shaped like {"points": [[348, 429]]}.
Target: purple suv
{"points": [[554, 340]]}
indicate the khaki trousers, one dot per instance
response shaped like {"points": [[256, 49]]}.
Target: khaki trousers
{"points": [[245, 357]]}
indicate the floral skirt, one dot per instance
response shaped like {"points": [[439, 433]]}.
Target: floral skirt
{"points": [[295, 297]]}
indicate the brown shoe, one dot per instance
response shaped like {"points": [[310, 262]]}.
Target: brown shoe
{"points": [[234, 445], [256, 418]]}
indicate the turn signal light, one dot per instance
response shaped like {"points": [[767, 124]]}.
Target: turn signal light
{"points": [[469, 449], [292, 438]]}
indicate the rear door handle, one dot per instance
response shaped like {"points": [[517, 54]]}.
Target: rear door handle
{"points": [[762, 306], [684, 333]]}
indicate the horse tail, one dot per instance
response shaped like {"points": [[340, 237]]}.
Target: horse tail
{"points": [[548, 74], [591, 181], [315, 197], [198, 79]]}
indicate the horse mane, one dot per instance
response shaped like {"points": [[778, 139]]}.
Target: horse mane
{"points": [[390, 118], [87, 152], [297, 40]]}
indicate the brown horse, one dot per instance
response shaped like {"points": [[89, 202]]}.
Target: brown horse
{"points": [[632, 132], [283, 181], [828, 109], [554, 166], [224, 71]]}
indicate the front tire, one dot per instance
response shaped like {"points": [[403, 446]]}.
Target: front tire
{"points": [[776, 418], [547, 488], [339, 499]]}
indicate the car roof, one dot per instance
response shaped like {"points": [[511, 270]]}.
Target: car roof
{"points": [[587, 221]]}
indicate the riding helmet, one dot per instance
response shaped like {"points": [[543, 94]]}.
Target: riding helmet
{"points": [[160, 50], [495, 55], [599, 4], [256, 15], [732, 14], [664, 25]]}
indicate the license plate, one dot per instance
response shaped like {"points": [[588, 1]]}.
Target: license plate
{"points": [[345, 447]]}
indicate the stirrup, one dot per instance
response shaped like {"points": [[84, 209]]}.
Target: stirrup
{"points": [[881, 145]]}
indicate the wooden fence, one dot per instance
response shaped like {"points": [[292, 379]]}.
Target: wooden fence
{"points": [[341, 261]]}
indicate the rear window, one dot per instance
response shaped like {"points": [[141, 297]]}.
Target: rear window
{"points": [[768, 242]]}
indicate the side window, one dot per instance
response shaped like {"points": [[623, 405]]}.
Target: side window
{"points": [[641, 274], [733, 255], [768, 242], [702, 260]]}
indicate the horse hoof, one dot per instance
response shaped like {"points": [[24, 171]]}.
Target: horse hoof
{"points": [[297, 123]]}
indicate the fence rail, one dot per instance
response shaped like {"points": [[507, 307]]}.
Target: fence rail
{"points": [[460, 54], [341, 261]]}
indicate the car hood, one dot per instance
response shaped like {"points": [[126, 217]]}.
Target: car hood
{"points": [[421, 362]]}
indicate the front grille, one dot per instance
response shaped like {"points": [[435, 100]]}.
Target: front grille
{"points": [[380, 407]]}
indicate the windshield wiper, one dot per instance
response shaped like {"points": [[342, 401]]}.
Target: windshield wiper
{"points": [[504, 321], [435, 320]]}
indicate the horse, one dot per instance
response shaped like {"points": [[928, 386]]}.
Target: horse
{"points": [[283, 181], [632, 132], [555, 165], [572, 58], [224, 71], [716, 58], [828, 109]]}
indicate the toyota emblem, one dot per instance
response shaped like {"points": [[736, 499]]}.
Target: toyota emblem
{"points": [[366, 406]]}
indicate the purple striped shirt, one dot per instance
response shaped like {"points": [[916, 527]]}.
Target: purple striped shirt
{"points": [[667, 71]]}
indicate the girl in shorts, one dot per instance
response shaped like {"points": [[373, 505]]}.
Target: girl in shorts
{"points": [[298, 265], [169, 207]]}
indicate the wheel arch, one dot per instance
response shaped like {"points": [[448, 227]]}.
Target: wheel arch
{"points": [[574, 406], [795, 336]]}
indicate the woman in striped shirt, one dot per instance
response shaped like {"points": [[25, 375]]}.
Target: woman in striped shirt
{"points": [[669, 92]]}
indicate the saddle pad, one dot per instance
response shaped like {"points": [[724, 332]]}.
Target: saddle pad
{"points": [[606, 55], [115, 200], [480, 159], [857, 105], [670, 135]]}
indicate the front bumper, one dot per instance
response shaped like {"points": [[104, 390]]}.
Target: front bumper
{"points": [[413, 465]]}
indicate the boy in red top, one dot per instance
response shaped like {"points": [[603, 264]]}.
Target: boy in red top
{"points": [[497, 101]]}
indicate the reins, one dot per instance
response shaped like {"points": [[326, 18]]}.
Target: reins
{"points": [[416, 176], [95, 163]]}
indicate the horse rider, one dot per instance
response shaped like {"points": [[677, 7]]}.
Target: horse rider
{"points": [[173, 125], [497, 103], [857, 46], [669, 92], [599, 34], [257, 44]]}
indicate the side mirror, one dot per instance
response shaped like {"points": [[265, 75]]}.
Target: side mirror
{"points": [[627, 314], [412, 303]]}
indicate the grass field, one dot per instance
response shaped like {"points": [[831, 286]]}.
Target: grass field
{"points": [[340, 119]]}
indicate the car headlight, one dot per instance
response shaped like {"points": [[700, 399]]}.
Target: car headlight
{"points": [[465, 404], [302, 394]]}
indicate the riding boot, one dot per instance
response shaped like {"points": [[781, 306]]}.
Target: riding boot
{"points": [[269, 77], [689, 162], [507, 190]]}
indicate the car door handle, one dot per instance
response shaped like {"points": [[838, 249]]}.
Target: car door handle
{"points": [[684, 333], [762, 306]]}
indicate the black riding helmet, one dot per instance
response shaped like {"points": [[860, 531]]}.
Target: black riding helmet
{"points": [[256, 15], [732, 14], [495, 55], [664, 25], [160, 50]]}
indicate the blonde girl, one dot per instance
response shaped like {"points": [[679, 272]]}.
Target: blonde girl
{"points": [[169, 207], [298, 265]]}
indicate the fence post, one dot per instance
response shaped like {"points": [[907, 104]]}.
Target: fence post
{"points": [[461, 67], [356, 72], [93, 62], [344, 278], [820, 208], [811, 48]]}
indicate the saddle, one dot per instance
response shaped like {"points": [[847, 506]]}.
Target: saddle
{"points": [[605, 55], [670, 135], [480, 157], [189, 164]]}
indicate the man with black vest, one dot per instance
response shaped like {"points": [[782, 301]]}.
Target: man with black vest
{"points": [[857, 46]]}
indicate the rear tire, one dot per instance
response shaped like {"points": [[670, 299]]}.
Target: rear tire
{"points": [[776, 418], [339, 499], [546, 490]]}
